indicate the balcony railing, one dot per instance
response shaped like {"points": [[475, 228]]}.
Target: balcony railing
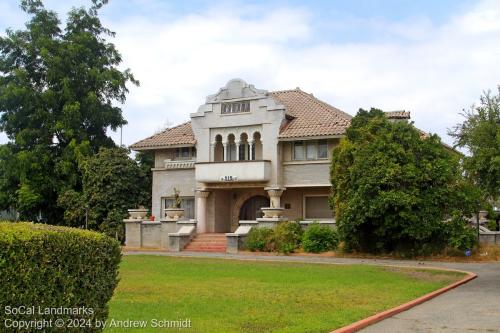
{"points": [[233, 171], [179, 164]]}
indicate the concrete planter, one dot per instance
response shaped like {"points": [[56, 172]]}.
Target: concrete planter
{"points": [[137, 214], [174, 213], [272, 212]]}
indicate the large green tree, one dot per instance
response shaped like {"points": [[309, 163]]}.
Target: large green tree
{"points": [[479, 134], [112, 183], [59, 90], [393, 190]]}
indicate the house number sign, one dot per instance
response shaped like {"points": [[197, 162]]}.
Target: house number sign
{"points": [[228, 178]]}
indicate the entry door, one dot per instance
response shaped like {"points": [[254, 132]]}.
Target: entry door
{"points": [[251, 208]]}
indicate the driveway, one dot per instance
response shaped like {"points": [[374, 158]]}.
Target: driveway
{"points": [[472, 307]]}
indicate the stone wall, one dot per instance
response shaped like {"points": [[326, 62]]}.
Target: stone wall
{"points": [[310, 174], [165, 180]]}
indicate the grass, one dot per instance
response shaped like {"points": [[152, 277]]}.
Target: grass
{"points": [[220, 295]]}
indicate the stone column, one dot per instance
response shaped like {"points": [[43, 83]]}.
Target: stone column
{"points": [[251, 156], [212, 150], [275, 195], [238, 150], [225, 151], [201, 210]]}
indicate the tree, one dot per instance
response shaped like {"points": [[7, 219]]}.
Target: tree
{"points": [[112, 183], [58, 93], [393, 190], [479, 134]]}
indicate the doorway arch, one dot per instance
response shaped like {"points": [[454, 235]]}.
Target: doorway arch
{"points": [[250, 210]]}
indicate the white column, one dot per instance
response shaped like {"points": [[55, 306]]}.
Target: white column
{"points": [[212, 150], [225, 150], [251, 156], [238, 150], [201, 210]]}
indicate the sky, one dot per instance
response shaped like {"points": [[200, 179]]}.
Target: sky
{"points": [[432, 58]]}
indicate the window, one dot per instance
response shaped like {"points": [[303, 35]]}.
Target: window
{"points": [[187, 203], [322, 149], [231, 154], [310, 150], [316, 207], [184, 153], [243, 152], [298, 150], [235, 107]]}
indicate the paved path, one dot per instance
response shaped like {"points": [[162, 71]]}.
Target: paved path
{"points": [[473, 307]]}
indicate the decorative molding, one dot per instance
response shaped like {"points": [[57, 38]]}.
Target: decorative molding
{"points": [[236, 89]]}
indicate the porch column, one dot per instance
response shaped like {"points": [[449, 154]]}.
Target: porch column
{"points": [[251, 156], [275, 195], [201, 210]]}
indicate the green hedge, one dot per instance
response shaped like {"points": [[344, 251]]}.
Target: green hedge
{"points": [[46, 267], [319, 238]]}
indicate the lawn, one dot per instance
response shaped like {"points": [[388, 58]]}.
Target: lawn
{"points": [[220, 295]]}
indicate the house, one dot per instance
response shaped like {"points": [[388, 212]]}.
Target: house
{"points": [[246, 149]]}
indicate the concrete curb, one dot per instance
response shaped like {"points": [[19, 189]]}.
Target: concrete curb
{"points": [[354, 327]]}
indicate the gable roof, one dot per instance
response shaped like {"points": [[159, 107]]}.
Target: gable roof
{"points": [[310, 116], [398, 114], [306, 116], [180, 135]]}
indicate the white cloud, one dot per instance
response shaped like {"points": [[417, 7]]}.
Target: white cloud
{"points": [[433, 70]]}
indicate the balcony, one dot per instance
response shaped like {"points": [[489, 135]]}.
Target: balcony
{"points": [[179, 164], [233, 171]]}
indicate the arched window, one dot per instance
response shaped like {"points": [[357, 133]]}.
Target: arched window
{"points": [[231, 148], [243, 149], [257, 146], [218, 149]]}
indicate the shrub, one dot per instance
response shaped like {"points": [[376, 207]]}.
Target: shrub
{"points": [[492, 225], [460, 235], [261, 239], [318, 238], [57, 267], [288, 236]]}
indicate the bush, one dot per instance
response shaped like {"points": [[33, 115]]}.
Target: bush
{"points": [[56, 267], [492, 225], [460, 235], [287, 237], [261, 239], [318, 238]]}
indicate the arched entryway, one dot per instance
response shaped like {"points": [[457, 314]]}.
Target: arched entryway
{"points": [[250, 210]]}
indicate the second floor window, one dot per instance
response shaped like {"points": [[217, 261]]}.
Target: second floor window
{"points": [[310, 150], [185, 153], [235, 107]]}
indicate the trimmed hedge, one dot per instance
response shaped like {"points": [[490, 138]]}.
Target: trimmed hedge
{"points": [[44, 266]]}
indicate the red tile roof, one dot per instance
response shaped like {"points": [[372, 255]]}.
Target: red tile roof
{"points": [[307, 116], [311, 117], [174, 136]]}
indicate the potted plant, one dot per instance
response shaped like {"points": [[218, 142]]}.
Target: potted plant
{"points": [[175, 211], [138, 214]]}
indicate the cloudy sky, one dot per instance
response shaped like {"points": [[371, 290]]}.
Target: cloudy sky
{"points": [[432, 58]]}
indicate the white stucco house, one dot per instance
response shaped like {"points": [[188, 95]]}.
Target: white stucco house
{"points": [[245, 149]]}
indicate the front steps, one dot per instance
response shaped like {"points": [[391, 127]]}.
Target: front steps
{"points": [[208, 243]]}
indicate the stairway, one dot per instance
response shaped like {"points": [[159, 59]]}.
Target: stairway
{"points": [[207, 243]]}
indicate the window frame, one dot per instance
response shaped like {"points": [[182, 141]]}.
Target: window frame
{"points": [[187, 197], [304, 209], [310, 143]]}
